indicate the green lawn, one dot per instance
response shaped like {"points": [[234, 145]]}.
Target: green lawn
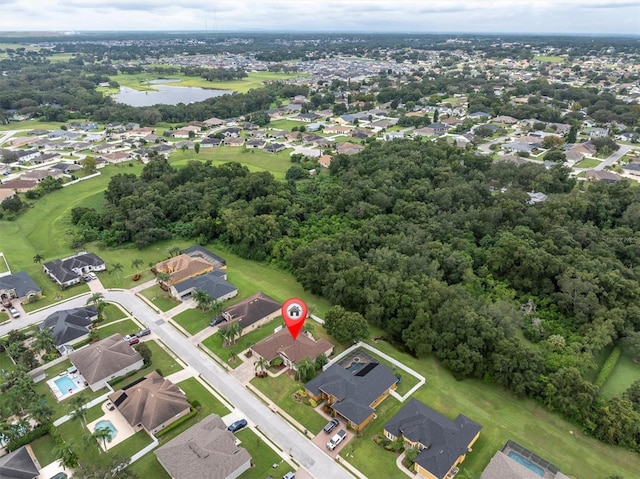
{"points": [[31, 125], [149, 467], [162, 359], [214, 343], [3, 265], [262, 457], [43, 447], [139, 81], [503, 417], [123, 327], [162, 300], [286, 125], [587, 163], [193, 320], [112, 313], [5, 362], [255, 159], [549, 59], [280, 390], [623, 375]]}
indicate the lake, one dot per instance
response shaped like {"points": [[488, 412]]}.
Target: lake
{"points": [[166, 95]]}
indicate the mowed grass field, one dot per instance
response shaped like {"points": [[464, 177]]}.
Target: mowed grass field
{"points": [[549, 59], [623, 375], [255, 159], [140, 81]]}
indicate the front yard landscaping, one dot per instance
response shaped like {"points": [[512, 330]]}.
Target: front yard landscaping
{"points": [[587, 163], [123, 327], [214, 343], [281, 390], [194, 320]]}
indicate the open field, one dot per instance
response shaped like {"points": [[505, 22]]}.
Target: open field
{"points": [[286, 125], [503, 416], [256, 160], [549, 59], [140, 81], [624, 374], [30, 124]]}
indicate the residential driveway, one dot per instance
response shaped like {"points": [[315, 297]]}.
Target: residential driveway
{"points": [[245, 372], [322, 438]]}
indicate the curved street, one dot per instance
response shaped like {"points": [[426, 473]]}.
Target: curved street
{"points": [[272, 425]]}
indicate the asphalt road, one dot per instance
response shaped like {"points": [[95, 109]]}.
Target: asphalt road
{"points": [[273, 426]]}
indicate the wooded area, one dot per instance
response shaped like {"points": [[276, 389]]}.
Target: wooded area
{"points": [[419, 239]]}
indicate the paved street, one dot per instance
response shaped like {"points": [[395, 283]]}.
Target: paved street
{"points": [[273, 426]]}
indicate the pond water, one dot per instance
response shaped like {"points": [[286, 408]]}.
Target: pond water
{"points": [[166, 95]]}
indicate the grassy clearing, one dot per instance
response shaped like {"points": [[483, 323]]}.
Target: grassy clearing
{"points": [[112, 313], [286, 125], [163, 360], [123, 327], [256, 160], [140, 81], [148, 466], [503, 417], [280, 390], [587, 163], [262, 457], [31, 124], [160, 298], [193, 320], [214, 343], [623, 375], [549, 59], [43, 448]]}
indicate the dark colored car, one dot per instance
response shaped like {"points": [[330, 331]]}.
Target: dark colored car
{"points": [[134, 340], [331, 425], [217, 320], [143, 332], [236, 426]]}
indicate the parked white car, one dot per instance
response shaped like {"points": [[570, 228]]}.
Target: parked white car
{"points": [[336, 439]]}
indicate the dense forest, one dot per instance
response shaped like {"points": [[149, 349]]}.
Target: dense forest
{"points": [[436, 245]]}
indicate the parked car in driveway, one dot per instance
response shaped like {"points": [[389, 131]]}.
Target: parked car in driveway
{"points": [[14, 312], [129, 337], [217, 320], [336, 439], [331, 425], [134, 340], [236, 426]]}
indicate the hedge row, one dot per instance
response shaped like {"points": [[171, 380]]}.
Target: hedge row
{"points": [[31, 436], [174, 425], [607, 367]]}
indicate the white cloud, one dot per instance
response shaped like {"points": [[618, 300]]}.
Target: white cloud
{"points": [[515, 16]]}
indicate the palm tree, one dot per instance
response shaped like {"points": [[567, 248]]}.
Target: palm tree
{"points": [[136, 263], [261, 364], [67, 457], [235, 330], [305, 369], [162, 277], [174, 251], [41, 411], [203, 299], [225, 334], [37, 258], [216, 308], [117, 269], [97, 299], [78, 409], [44, 341], [100, 436]]}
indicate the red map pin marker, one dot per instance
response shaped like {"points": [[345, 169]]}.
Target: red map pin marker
{"points": [[294, 312]]}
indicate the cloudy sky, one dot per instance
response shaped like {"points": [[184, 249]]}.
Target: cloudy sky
{"points": [[512, 16]]}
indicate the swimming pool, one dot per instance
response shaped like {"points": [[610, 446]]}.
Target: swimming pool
{"points": [[526, 463], [65, 384], [106, 424]]}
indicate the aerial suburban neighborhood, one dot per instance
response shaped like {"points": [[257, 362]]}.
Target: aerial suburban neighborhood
{"points": [[458, 212]]}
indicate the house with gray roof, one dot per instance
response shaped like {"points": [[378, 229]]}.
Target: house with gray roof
{"points": [[353, 395], [206, 449], [18, 286], [443, 443], [70, 325], [105, 360], [213, 283], [18, 465], [68, 271], [253, 312], [151, 403]]}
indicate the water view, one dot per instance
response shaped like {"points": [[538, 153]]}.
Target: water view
{"points": [[165, 94]]}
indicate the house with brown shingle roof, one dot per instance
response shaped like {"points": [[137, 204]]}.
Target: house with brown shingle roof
{"points": [[253, 312], [151, 403], [282, 345], [206, 449], [20, 186], [182, 267], [105, 360]]}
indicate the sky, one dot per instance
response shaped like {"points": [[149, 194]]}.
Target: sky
{"points": [[424, 16]]}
